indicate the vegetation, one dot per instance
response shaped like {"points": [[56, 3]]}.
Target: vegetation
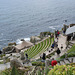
{"points": [[46, 71], [46, 33], [2, 55], [6, 72], [71, 52], [7, 60], [14, 71], [38, 63], [62, 70]]}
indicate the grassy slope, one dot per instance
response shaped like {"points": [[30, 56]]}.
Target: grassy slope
{"points": [[39, 47]]}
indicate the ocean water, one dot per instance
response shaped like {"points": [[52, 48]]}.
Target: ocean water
{"points": [[25, 18]]}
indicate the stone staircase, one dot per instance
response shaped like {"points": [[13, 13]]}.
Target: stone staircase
{"points": [[67, 61], [69, 46]]}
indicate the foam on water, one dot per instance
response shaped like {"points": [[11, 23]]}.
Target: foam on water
{"points": [[19, 40], [52, 27]]}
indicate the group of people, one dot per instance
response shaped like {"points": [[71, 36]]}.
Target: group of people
{"points": [[55, 45], [57, 33]]}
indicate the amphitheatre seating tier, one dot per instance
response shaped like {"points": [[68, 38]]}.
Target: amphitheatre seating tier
{"points": [[39, 48]]}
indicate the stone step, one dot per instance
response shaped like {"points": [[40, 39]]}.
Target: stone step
{"points": [[71, 43], [74, 60], [58, 63], [1, 60], [66, 61], [62, 63], [70, 60], [69, 46]]}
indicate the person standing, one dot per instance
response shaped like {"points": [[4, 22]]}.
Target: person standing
{"points": [[58, 33], [58, 51], [27, 60], [44, 57], [0, 52], [61, 46], [26, 56]]}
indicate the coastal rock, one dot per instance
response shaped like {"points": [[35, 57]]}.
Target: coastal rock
{"points": [[22, 40], [22, 55], [8, 49], [41, 35], [65, 28], [44, 34], [24, 44], [72, 25], [34, 39], [15, 63], [11, 44]]}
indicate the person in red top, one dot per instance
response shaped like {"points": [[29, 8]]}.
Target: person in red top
{"points": [[54, 62], [58, 33]]}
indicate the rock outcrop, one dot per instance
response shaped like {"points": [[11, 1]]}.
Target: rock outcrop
{"points": [[9, 49], [34, 39], [16, 63]]}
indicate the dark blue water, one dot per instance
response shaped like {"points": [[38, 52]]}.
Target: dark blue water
{"points": [[24, 18]]}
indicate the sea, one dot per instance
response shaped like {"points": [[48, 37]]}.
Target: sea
{"points": [[25, 18]]}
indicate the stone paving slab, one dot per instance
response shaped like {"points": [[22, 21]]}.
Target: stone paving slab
{"points": [[4, 66], [61, 40]]}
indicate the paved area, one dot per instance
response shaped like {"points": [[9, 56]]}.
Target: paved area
{"points": [[61, 40], [4, 66]]}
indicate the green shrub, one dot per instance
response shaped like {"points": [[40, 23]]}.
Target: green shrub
{"points": [[6, 72], [14, 71], [2, 55], [38, 64], [62, 70], [46, 71], [72, 49], [71, 55], [39, 72]]}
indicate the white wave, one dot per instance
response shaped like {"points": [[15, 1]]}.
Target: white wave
{"points": [[52, 27], [19, 40], [27, 39], [56, 26]]}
